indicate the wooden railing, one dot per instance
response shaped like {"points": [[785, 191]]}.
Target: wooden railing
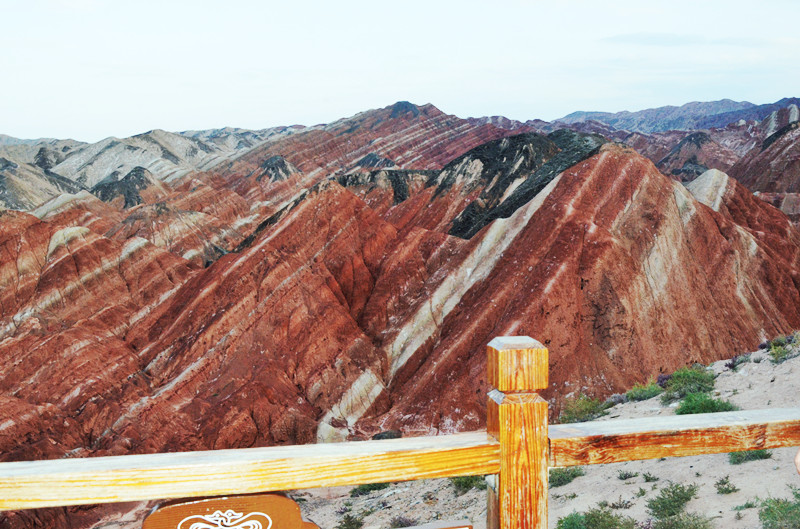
{"points": [[518, 447]]}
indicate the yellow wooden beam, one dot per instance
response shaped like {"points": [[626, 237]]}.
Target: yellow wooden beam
{"points": [[612, 441], [26, 485]]}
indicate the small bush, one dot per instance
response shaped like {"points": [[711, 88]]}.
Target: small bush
{"points": [[402, 521], [349, 521], [737, 458], [779, 341], [562, 476], [464, 484], [736, 361], [624, 474], [644, 391], [671, 500], [780, 353], [649, 478], [581, 409], [695, 379], [363, 490], [573, 520], [703, 403], [749, 504], [599, 518], [683, 520], [641, 492], [621, 504], [780, 513], [724, 486]]}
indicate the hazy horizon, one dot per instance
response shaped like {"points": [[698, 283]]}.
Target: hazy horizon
{"points": [[88, 69]]}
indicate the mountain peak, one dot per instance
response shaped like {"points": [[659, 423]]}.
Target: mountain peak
{"points": [[402, 108]]}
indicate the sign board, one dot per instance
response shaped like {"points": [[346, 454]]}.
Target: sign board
{"points": [[254, 511]]}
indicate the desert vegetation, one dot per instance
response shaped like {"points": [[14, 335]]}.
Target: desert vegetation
{"points": [[582, 408]]}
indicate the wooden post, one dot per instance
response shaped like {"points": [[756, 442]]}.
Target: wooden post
{"points": [[517, 418]]}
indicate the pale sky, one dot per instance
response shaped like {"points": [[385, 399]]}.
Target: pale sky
{"points": [[88, 69]]}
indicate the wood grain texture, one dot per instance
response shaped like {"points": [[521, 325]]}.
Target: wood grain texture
{"points": [[517, 363], [271, 510], [520, 424], [680, 435], [25, 485]]}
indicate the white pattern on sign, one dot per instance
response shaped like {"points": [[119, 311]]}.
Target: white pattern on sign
{"points": [[229, 519]]}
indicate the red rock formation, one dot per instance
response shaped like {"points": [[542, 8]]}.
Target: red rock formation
{"points": [[342, 306], [81, 209], [623, 266], [775, 166], [788, 203], [68, 298], [694, 155], [414, 137]]}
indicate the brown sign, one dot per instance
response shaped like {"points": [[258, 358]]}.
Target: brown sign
{"points": [[256, 511]]}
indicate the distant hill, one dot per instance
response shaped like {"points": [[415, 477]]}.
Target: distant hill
{"points": [[684, 117], [691, 116]]}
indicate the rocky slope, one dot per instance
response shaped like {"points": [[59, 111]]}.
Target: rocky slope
{"points": [[694, 155], [339, 280], [775, 166]]}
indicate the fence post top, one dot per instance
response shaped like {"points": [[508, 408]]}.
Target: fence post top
{"points": [[502, 343], [517, 363]]}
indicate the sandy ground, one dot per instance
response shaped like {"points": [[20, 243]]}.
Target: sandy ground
{"points": [[754, 385]]}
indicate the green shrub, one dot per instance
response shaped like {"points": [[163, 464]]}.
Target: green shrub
{"points": [[624, 474], [649, 478], [561, 476], [573, 520], [724, 486], [686, 380], [581, 409], [349, 521], [363, 490], [703, 403], [737, 458], [683, 520], [749, 504], [644, 391], [671, 500], [464, 484], [621, 504], [779, 341], [598, 518], [779, 353], [780, 513]]}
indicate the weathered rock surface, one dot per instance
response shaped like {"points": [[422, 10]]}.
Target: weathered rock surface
{"points": [[128, 190], [24, 186], [788, 203], [594, 285], [694, 155], [309, 291], [775, 166]]}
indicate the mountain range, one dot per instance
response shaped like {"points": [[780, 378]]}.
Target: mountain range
{"points": [[232, 288]]}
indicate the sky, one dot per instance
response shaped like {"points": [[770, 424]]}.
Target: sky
{"points": [[89, 69]]}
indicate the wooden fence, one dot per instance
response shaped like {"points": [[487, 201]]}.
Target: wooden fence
{"points": [[518, 446]]}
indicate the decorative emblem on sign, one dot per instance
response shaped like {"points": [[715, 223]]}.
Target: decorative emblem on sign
{"points": [[229, 519]]}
